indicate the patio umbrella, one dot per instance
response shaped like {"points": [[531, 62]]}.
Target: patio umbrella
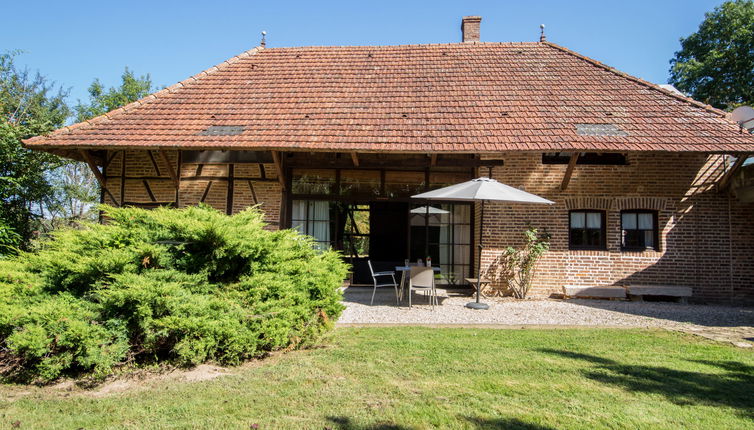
{"points": [[427, 211], [481, 189], [430, 210]]}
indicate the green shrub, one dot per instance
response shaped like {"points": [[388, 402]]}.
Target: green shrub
{"points": [[180, 286], [10, 240]]}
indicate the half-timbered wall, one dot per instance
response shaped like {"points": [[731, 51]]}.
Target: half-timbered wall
{"points": [[144, 180]]}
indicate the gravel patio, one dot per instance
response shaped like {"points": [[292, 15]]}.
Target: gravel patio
{"points": [[721, 323]]}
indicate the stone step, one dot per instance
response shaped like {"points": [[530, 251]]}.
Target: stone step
{"points": [[659, 290], [596, 292]]}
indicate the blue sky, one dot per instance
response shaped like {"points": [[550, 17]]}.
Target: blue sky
{"points": [[73, 42]]}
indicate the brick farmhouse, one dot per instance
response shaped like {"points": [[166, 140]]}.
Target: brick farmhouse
{"points": [[334, 141]]}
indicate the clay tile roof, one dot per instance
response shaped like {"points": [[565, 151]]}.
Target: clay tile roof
{"points": [[469, 97]]}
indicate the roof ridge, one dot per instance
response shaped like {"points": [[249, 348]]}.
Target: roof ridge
{"points": [[640, 81], [145, 100], [406, 45]]}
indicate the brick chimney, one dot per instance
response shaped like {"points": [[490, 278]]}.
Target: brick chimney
{"points": [[470, 28]]}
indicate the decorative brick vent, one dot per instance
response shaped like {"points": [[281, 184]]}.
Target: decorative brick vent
{"points": [[589, 203], [651, 203], [618, 203]]}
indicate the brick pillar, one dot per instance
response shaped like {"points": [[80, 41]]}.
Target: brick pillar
{"points": [[470, 28]]}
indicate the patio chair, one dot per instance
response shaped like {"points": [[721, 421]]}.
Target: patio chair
{"points": [[404, 278], [382, 283], [421, 277]]}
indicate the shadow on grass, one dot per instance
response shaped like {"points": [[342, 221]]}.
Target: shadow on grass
{"points": [[682, 387], [504, 423], [345, 423]]}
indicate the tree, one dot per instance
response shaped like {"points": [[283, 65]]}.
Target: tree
{"points": [[75, 191], [716, 64], [75, 188], [38, 190], [132, 88], [29, 106]]}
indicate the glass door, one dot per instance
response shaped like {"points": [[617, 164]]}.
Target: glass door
{"points": [[443, 232]]}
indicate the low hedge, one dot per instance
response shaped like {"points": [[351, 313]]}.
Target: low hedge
{"points": [[182, 286]]}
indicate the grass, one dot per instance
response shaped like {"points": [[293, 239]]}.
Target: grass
{"points": [[417, 378]]}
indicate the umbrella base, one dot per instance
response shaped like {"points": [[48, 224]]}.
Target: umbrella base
{"points": [[477, 305]]}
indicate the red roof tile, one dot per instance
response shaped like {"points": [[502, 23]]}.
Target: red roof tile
{"points": [[468, 97]]}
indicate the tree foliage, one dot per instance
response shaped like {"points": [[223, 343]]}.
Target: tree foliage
{"points": [[716, 64], [29, 106], [75, 193], [181, 286], [40, 191], [75, 189], [101, 101]]}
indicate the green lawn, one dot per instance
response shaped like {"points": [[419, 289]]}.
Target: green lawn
{"points": [[415, 378]]}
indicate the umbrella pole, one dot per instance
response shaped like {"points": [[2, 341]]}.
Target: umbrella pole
{"points": [[477, 304], [426, 230]]}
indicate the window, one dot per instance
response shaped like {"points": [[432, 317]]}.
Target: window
{"points": [[312, 181], [356, 231], [312, 217], [366, 183], [599, 158], [639, 230], [587, 230]]}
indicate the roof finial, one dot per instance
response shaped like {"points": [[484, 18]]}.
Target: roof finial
{"points": [[542, 37], [264, 42]]}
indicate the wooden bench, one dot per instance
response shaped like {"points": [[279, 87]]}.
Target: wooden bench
{"points": [[594, 292], [637, 292]]}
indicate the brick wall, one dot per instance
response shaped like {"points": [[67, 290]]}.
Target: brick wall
{"points": [[706, 238]]}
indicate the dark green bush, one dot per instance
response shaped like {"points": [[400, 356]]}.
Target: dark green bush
{"points": [[179, 286]]}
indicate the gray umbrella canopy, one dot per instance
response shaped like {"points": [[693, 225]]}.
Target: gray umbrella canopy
{"points": [[482, 189], [431, 210]]}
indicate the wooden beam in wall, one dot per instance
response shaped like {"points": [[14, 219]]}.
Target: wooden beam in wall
{"points": [[377, 161], [728, 176], [122, 178], [154, 163], [253, 192], [433, 160], [193, 178], [355, 159], [149, 190], [109, 160], [206, 191], [97, 174], [171, 171], [279, 167], [569, 171], [231, 189], [92, 165]]}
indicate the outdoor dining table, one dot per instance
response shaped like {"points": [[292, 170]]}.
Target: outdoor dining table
{"points": [[406, 269]]}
